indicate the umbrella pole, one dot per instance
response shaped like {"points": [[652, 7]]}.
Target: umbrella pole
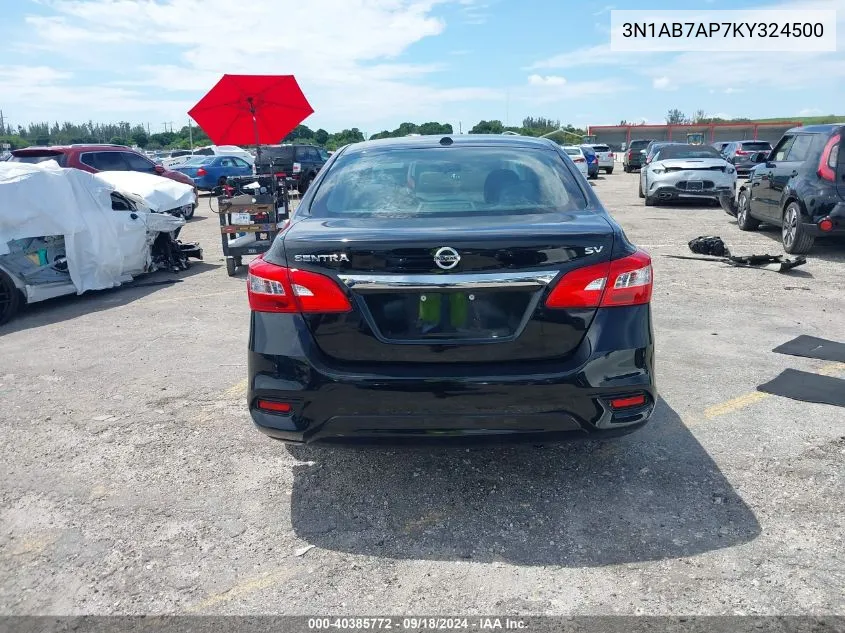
{"points": [[255, 131]]}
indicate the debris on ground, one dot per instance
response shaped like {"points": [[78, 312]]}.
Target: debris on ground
{"points": [[717, 251]]}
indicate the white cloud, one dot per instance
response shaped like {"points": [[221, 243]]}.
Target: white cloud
{"points": [[549, 80], [662, 83], [732, 91], [810, 112], [605, 9], [347, 61]]}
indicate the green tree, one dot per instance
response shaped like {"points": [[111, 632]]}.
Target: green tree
{"points": [[675, 117], [140, 138], [321, 136], [488, 127]]}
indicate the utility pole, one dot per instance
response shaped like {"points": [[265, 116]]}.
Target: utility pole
{"points": [[166, 123], [190, 135], [460, 128], [2, 123]]}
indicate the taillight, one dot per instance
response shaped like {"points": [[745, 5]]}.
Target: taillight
{"points": [[740, 152], [611, 156], [619, 282], [274, 407], [201, 172], [281, 174], [630, 155], [578, 159], [297, 168], [273, 288], [827, 163]]}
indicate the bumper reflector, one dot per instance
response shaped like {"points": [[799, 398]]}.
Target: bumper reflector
{"points": [[628, 402], [826, 225], [274, 407]]}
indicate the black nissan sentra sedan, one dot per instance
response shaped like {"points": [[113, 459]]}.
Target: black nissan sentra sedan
{"points": [[450, 286]]}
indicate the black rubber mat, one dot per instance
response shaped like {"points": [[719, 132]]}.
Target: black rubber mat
{"points": [[812, 347], [806, 387]]}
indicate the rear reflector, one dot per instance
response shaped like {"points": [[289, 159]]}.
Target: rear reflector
{"points": [[275, 407], [826, 225], [273, 288], [628, 402], [619, 282]]}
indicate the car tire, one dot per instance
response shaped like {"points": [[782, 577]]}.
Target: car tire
{"points": [[796, 240], [650, 201], [10, 298], [743, 216], [626, 169], [640, 187], [231, 266], [190, 213], [609, 171]]}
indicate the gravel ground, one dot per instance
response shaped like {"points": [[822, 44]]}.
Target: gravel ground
{"points": [[135, 483]]}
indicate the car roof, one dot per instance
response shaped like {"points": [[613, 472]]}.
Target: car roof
{"points": [[433, 140], [822, 128], [64, 148]]}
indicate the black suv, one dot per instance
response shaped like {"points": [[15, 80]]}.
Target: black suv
{"points": [[799, 186], [632, 158], [738, 153], [299, 162]]}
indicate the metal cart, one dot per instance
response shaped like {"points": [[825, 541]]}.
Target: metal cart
{"points": [[251, 217]]}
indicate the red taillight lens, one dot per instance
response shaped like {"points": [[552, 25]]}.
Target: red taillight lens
{"points": [[826, 225], [273, 288], [827, 163], [281, 174], [630, 155], [628, 402], [740, 152], [274, 407], [620, 282], [578, 159], [610, 155], [201, 172]]}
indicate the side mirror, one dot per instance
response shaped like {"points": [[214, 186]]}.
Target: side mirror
{"points": [[159, 169]]}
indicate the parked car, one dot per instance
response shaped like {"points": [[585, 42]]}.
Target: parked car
{"points": [[225, 150], [798, 186], [632, 158], [682, 171], [208, 172], [607, 159], [118, 231], [721, 145], [738, 154], [578, 157], [495, 277], [592, 161], [299, 162], [95, 158]]}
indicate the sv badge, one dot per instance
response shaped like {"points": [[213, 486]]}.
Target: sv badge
{"points": [[593, 250]]}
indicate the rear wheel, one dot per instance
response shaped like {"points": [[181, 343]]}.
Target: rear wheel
{"points": [[743, 218], [626, 169], [796, 240], [231, 266], [609, 171], [650, 201], [10, 298], [303, 185], [190, 212], [642, 195]]}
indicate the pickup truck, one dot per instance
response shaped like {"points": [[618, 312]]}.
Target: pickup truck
{"points": [[299, 162]]}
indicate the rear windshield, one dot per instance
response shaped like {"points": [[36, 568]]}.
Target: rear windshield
{"points": [[269, 154], [639, 144], [601, 148], [572, 151], [757, 146], [688, 151], [444, 182], [37, 157]]}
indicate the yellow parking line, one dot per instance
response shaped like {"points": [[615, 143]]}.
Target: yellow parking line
{"points": [[735, 404], [254, 584], [238, 390]]}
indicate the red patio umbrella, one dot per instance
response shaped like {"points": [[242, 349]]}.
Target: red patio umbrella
{"points": [[251, 109]]}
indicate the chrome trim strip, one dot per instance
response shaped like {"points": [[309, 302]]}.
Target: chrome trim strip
{"points": [[460, 280]]}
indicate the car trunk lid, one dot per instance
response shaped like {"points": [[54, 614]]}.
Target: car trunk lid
{"points": [[468, 290]]}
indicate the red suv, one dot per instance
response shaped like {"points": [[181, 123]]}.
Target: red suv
{"points": [[94, 158]]}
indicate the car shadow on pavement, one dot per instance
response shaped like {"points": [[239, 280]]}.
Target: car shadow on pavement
{"points": [[72, 306], [652, 495]]}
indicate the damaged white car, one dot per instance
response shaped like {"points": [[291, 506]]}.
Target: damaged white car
{"points": [[66, 231], [679, 171]]}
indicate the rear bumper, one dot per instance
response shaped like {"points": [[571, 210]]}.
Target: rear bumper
{"points": [[671, 192], [837, 216], [562, 399]]}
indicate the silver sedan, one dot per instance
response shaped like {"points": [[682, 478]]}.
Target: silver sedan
{"points": [[686, 172]]}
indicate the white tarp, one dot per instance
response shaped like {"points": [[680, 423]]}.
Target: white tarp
{"points": [[103, 246], [161, 194]]}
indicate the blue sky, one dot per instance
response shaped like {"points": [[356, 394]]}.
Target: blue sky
{"points": [[373, 64]]}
